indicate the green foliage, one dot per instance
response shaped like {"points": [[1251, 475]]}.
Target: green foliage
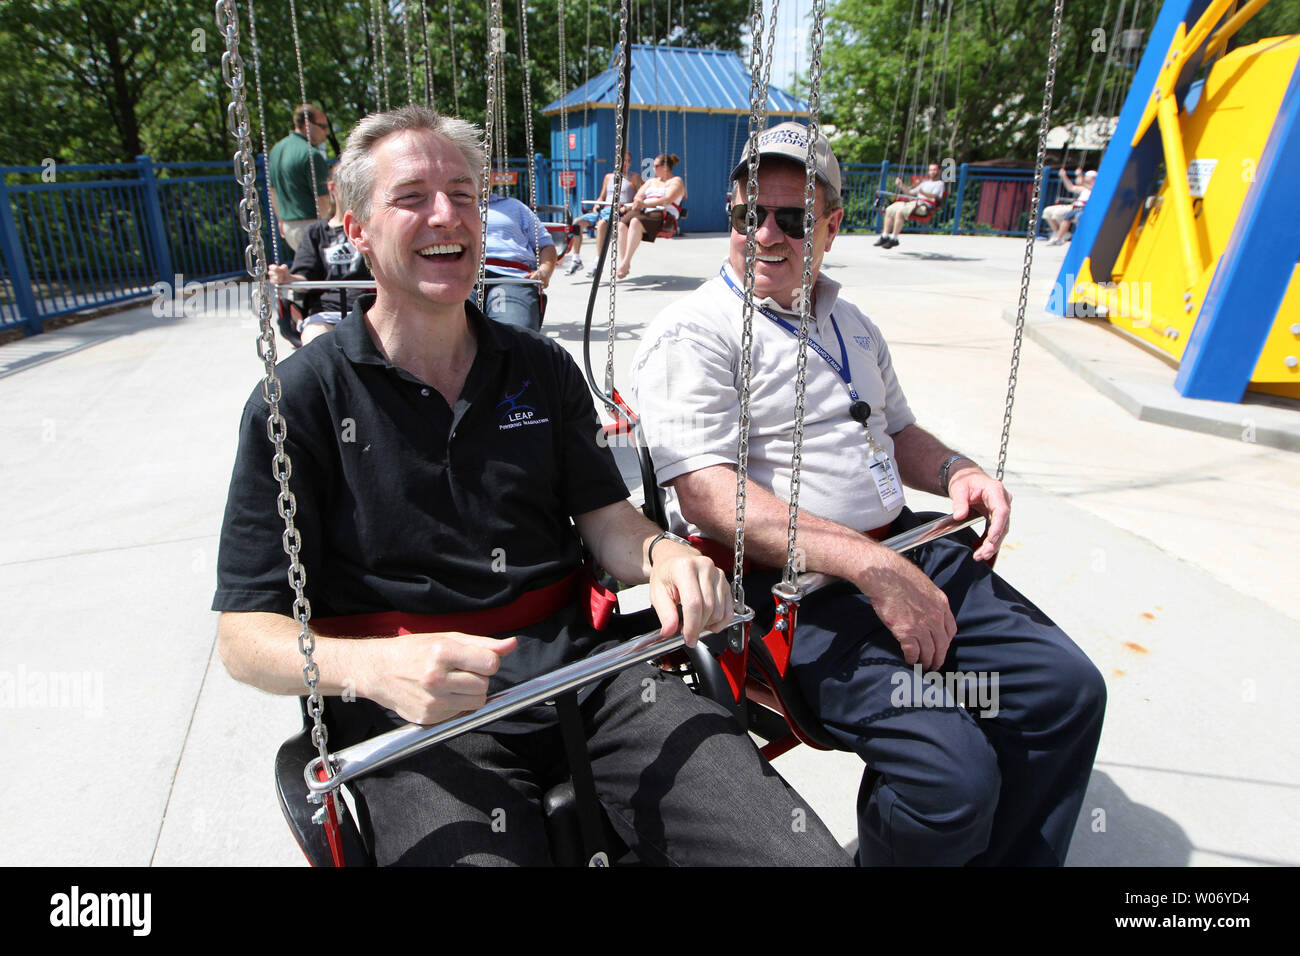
{"points": [[103, 81], [979, 87]]}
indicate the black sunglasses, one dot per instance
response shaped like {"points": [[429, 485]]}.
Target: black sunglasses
{"points": [[789, 219]]}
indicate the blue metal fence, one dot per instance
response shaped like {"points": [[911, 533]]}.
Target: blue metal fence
{"points": [[77, 237], [100, 234], [550, 191], [981, 200]]}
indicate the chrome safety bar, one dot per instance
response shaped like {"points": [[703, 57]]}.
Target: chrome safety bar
{"points": [[924, 534], [310, 284], [326, 284], [370, 755], [907, 540]]}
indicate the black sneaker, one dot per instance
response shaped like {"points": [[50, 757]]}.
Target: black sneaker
{"points": [[891, 242], [882, 241]]}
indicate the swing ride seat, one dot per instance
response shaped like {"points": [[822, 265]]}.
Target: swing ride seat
{"points": [[672, 225], [925, 212], [561, 808], [758, 684], [555, 219]]}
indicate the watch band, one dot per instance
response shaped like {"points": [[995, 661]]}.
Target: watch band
{"points": [[946, 467], [650, 551]]}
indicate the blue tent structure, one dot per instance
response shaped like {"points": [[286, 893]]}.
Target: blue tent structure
{"points": [[692, 102]]}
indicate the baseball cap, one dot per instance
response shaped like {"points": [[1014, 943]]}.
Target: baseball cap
{"points": [[790, 141]]}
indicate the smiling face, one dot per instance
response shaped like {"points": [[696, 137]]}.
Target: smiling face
{"points": [[422, 237], [778, 265]]}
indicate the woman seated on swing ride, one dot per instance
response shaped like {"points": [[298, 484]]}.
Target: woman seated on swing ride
{"points": [[325, 253], [658, 200], [598, 218], [927, 192]]}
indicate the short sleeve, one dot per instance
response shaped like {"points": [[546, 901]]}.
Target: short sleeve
{"points": [[591, 476], [306, 258], [685, 381], [252, 565], [322, 173], [898, 414]]}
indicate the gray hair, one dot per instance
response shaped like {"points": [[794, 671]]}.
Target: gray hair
{"points": [[355, 172]]}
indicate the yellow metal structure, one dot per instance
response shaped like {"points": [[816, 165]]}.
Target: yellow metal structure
{"points": [[1169, 257]]}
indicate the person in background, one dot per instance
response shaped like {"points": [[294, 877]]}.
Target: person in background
{"points": [[289, 168], [1062, 215], [518, 247], [928, 192], [326, 253], [600, 216], [658, 200]]}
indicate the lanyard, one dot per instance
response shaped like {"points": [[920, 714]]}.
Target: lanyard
{"points": [[841, 368]]}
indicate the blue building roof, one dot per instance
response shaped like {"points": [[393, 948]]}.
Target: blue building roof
{"points": [[672, 77]]}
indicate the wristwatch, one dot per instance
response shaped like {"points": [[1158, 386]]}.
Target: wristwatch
{"points": [[650, 552], [946, 467]]}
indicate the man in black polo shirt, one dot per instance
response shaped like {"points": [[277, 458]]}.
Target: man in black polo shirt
{"points": [[437, 461]]}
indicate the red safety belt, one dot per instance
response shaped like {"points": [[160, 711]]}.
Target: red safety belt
{"points": [[524, 611]]}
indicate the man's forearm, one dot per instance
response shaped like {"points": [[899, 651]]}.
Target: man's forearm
{"points": [[920, 457], [261, 649], [618, 537], [708, 499]]}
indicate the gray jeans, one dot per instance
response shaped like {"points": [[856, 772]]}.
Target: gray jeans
{"points": [[680, 783]]}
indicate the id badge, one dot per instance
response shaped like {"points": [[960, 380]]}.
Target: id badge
{"points": [[888, 486]]}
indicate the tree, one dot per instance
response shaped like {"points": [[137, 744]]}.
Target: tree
{"points": [[982, 65], [103, 81]]}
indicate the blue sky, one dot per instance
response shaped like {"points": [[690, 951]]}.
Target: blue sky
{"points": [[791, 50]]}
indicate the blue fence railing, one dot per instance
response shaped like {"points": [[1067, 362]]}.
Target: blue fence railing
{"points": [[77, 237], [981, 200]]}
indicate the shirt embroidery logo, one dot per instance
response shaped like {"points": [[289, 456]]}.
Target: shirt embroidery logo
{"points": [[864, 341], [515, 413]]}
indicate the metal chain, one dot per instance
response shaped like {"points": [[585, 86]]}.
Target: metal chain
{"points": [[302, 91], [272, 226], [374, 56], [1030, 232], [927, 17], [538, 229], [620, 147], [428, 63], [757, 120], [381, 27], [791, 573], [250, 217], [956, 106], [455, 78], [564, 110], [586, 79], [496, 40], [902, 78], [406, 48], [685, 151]]}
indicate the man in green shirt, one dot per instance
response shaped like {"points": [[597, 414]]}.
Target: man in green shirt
{"points": [[297, 205]]}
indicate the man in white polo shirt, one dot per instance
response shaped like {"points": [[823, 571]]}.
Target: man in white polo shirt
{"points": [[999, 781]]}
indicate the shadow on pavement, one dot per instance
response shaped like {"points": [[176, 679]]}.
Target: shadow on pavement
{"points": [[1112, 830]]}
